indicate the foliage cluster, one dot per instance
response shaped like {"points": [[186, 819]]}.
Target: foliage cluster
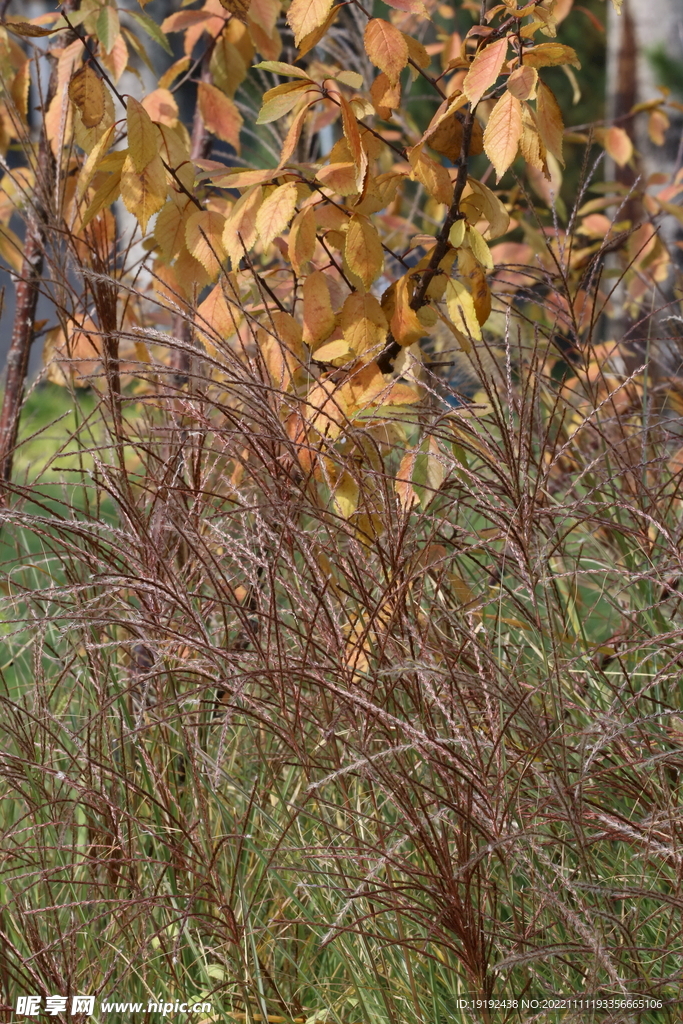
{"points": [[342, 649]]}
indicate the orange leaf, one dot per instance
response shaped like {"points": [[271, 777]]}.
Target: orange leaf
{"points": [[293, 135], [503, 132], [549, 121], [363, 250], [220, 115], [239, 233], [522, 83], [405, 325], [432, 175], [319, 320], [305, 16], [618, 145], [386, 48], [484, 70], [352, 135]]}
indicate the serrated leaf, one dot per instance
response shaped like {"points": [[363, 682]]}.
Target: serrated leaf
{"points": [[240, 233], [491, 208], [279, 101], [169, 229], [484, 70], [522, 82], [204, 239], [143, 138], [549, 121], [90, 166], [503, 132], [350, 78], [461, 309], [25, 28], [432, 175], [108, 27], [319, 319], [152, 29], [305, 16], [86, 92], [240, 8], [363, 323], [302, 239], [363, 250], [276, 212], [386, 48], [143, 192], [479, 248], [220, 115], [548, 55]]}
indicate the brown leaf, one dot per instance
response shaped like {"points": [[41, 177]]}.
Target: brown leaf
{"points": [[86, 92]]}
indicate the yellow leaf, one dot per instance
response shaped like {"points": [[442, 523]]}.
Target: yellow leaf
{"points": [[312, 38], [484, 70], [240, 233], [319, 320], [282, 348], [503, 132], [386, 48], [106, 193], [363, 250], [143, 138], [87, 138], [330, 351], [355, 144], [143, 193], [547, 55], [176, 69], [220, 115], [86, 92], [456, 236], [276, 212], [461, 309], [470, 268], [490, 208], [363, 323], [305, 16], [203, 237], [522, 82], [345, 495], [302, 239], [618, 145], [479, 248], [279, 101], [549, 121], [90, 166], [432, 175]]}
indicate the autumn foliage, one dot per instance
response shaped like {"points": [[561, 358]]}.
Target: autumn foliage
{"points": [[369, 506]]}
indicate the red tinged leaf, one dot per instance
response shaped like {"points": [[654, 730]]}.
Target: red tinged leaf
{"points": [[484, 70], [220, 115], [386, 47]]}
